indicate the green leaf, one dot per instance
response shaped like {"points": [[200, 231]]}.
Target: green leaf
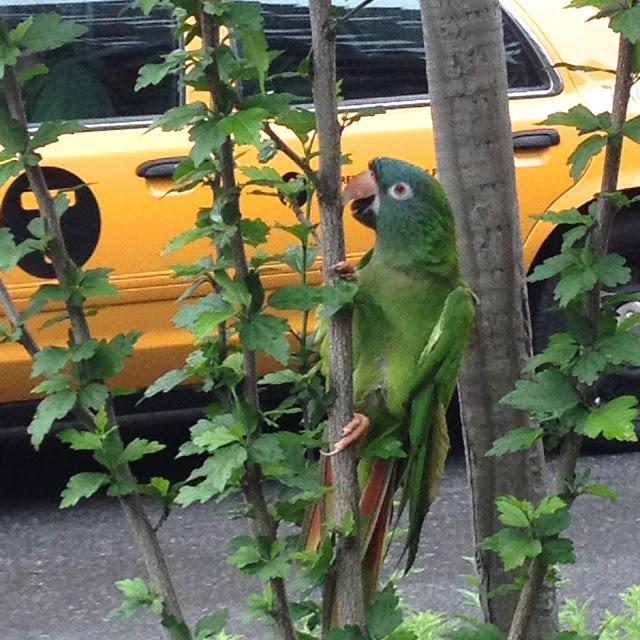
{"points": [[82, 485], [567, 216], [587, 149], [247, 553], [208, 136], [627, 23], [49, 360], [296, 259], [254, 231], [623, 347], [601, 491], [561, 350], [210, 626], [574, 281], [336, 296], [512, 547], [515, 440], [479, 631], [166, 382], [212, 304], [178, 118], [550, 395], [611, 270], [81, 440], [514, 512], [551, 267], [95, 282], [147, 6], [52, 408], [614, 420], [13, 136], [385, 448], [213, 439], [631, 129], [189, 236], [266, 333], [50, 132], [245, 126], [300, 121], [209, 321], [137, 594], [93, 396], [284, 376], [579, 117], [551, 524], [49, 31], [217, 471], [140, 447], [7, 171], [384, 614], [32, 71], [558, 551], [178, 629], [588, 366], [301, 297], [108, 359]]}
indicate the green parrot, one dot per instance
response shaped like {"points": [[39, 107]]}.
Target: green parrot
{"points": [[412, 315]]}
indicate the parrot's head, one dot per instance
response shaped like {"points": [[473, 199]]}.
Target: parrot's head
{"points": [[406, 206]]}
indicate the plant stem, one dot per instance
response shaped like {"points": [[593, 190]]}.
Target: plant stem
{"points": [[12, 313], [606, 212], [264, 525], [349, 592], [62, 263]]}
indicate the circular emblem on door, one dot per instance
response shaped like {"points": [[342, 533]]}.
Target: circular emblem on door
{"points": [[80, 222]]}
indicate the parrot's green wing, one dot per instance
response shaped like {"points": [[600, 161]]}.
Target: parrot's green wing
{"points": [[435, 382]]}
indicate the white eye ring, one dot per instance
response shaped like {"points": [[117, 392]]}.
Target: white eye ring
{"points": [[400, 191]]}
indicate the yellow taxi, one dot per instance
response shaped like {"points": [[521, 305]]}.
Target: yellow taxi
{"points": [[125, 218]]}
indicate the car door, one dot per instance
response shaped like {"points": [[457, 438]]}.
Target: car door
{"points": [[122, 219]]}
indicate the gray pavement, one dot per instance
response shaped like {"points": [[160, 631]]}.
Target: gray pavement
{"points": [[57, 568]]}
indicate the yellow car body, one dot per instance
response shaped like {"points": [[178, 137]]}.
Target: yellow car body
{"points": [[128, 169]]}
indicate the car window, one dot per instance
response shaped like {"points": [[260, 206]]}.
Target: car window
{"points": [[95, 76], [380, 52]]}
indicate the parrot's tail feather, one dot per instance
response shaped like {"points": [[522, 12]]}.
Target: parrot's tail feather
{"points": [[374, 548], [376, 504]]}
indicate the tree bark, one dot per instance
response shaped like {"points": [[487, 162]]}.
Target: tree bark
{"points": [[348, 576], [466, 68]]}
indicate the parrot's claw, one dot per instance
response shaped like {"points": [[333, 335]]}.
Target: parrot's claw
{"points": [[352, 433], [344, 270]]}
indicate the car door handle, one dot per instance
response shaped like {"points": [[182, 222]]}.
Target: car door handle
{"points": [[535, 139], [158, 168]]}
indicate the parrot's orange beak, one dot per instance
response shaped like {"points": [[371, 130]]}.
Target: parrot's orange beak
{"points": [[363, 185]]}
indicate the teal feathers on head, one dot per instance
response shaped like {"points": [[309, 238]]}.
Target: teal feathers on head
{"points": [[408, 209]]}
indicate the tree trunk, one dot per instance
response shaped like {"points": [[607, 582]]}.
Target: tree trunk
{"points": [[466, 68], [349, 597]]}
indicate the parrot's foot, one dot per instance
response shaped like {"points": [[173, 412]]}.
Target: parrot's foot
{"points": [[344, 270], [353, 432]]}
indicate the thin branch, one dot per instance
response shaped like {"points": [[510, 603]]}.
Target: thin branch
{"points": [[606, 212], [299, 161], [349, 596], [352, 12], [12, 313], [264, 525], [62, 263], [302, 219]]}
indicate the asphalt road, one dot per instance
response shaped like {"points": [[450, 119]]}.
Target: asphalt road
{"points": [[57, 568]]}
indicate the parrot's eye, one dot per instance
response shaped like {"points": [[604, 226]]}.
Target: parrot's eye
{"points": [[400, 191]]}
